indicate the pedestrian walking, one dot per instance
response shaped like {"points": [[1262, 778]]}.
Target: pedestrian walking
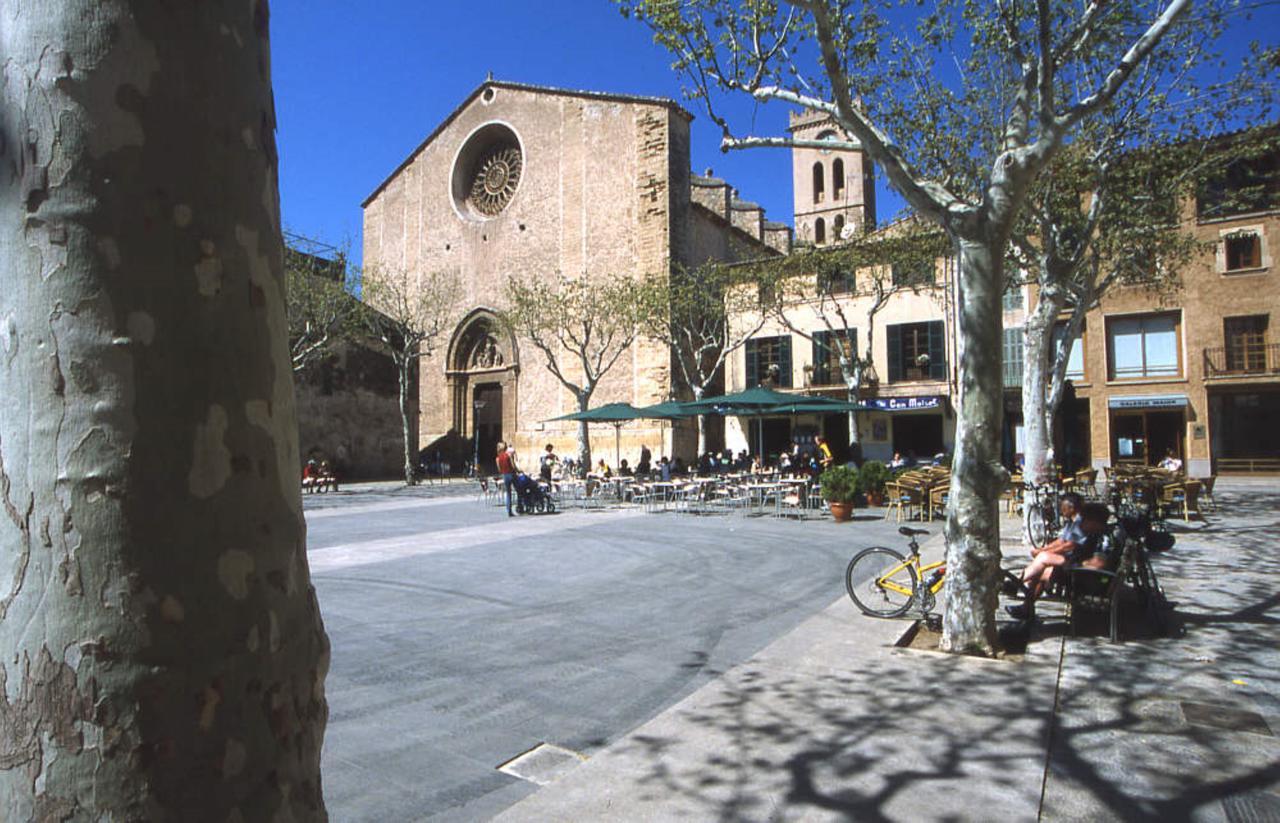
{"points": [[507, 468]]}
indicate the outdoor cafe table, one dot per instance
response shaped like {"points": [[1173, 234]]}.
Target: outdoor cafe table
{"points": [[661, 489], [760, 491]]}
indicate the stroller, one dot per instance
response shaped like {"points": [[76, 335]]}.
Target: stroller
{"points": [[533, 496]]}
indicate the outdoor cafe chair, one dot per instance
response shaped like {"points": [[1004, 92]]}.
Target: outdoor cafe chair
{"points": [[1184, 496], [1206, 491]]}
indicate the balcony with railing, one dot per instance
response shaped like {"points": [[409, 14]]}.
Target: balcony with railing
{"points": [[1242, 361]]}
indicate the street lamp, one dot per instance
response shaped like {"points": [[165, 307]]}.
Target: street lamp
{"points": [[475, 434]]}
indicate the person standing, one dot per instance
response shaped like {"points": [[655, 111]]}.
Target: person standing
{"points": [[825, 458], [549, 461], [507, 468]]}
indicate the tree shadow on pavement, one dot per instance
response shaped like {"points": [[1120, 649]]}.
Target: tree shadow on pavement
{"points": [[1149, 729]]}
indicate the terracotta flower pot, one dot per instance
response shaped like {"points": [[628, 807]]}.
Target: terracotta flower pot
{"points": [[875, 498], [841, 511]]}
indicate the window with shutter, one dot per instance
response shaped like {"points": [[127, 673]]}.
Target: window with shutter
{"points": [[762, 354], [826, 355], [1013, 358]]}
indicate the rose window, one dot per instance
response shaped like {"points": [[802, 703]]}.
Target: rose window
{"points": [[496, 177]]}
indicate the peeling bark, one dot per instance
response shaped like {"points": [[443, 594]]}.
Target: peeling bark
{"points": [[145, 373], [973, 512]]}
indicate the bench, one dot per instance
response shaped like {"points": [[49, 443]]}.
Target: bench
{"points": [[1100, 590], [1085, 589]]}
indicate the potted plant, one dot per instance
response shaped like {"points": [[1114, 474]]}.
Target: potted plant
{"points": [[839, 488], [871, 480]]}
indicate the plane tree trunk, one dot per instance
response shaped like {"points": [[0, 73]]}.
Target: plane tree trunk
{"points": [[162, 655], [973, 513]]}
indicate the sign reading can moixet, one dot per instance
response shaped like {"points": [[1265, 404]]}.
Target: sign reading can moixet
{"points": [[1149, 401], [903, 403]]}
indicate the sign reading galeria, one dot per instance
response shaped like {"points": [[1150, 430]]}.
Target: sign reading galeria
{"points": [[1149, 401], [903, 403]]}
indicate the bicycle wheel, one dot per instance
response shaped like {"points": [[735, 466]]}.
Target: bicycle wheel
{"points": [[880, 582], [1036, 527]]}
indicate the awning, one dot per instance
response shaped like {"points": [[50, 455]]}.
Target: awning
{"points": [[902, 403], [1148, 401]]}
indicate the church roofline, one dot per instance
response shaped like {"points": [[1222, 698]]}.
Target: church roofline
{"points": [[507, 84], [770, 251]]}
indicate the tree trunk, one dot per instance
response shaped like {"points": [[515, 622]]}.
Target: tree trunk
{"points": [[702, 425], [161, 650], [852, 384], [1037, 344], [1037, 421], [584, 436], [973, 514], [406, 428]]}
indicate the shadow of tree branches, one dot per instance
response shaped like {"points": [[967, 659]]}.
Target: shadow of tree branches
{"points": [[907, 735]]}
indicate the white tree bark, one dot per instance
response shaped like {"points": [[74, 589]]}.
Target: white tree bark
{"points": [[977, 478], [161, 650], [1037, 348]]}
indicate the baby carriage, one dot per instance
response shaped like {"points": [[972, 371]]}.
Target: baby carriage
{"points": [[532, 496]]}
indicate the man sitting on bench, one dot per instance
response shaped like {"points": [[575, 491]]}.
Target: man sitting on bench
{"points": [[1068, 548]]}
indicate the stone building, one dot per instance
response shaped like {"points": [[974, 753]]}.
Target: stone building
{"points": [[348, 398], [524, 181]]}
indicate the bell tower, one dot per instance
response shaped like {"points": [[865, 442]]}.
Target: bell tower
{"points": [[834, 188]]}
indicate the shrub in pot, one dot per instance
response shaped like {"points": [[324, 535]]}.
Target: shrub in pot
{"points": [[839, 488], [871, 480]]}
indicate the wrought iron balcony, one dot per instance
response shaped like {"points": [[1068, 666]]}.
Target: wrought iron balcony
{"points": [[1242, 360]]}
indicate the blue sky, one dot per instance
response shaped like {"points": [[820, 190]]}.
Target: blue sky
{"points": [[358, 85]]}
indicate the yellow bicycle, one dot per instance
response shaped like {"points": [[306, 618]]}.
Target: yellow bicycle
{"points": [[883, 583]]}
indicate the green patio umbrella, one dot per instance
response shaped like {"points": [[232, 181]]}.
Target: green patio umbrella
{"points": [[761, 402], [613, 413], [670, 410]]}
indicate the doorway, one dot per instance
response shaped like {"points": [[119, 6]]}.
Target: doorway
{"points": [[777, 436], [487, 405], [1143, 438], [917, 436], [835, 427]]}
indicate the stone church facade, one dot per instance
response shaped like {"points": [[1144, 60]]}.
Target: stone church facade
{"points": [[531, 182]]}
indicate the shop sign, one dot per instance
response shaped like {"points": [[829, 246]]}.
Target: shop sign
{"points": [[1149, 401], [903, 403]]}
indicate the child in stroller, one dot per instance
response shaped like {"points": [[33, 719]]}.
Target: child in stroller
{"points": [[533, 496]]}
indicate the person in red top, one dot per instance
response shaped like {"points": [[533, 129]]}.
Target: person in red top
{"points": [[507, 468]]}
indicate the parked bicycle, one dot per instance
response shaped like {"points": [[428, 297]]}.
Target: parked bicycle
{"points": [[883, 583], [1043, 519]]}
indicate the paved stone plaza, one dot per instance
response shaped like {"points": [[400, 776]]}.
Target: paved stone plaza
{"points": [[462, 638], [711, 668]]}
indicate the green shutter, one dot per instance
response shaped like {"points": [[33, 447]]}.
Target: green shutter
{"points": [[784, 361], [1013, 358], [938, 350], [894, 349], [820, 375], [753, 364]]}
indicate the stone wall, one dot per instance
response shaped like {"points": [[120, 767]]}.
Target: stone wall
{"points": [[348, 413]]}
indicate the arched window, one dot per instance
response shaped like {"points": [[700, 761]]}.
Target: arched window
{"points": [[819, 187], [837, 179], [837, 226], [819, 231]]}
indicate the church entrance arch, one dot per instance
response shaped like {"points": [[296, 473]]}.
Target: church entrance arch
{"points": [[482, 372]]}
